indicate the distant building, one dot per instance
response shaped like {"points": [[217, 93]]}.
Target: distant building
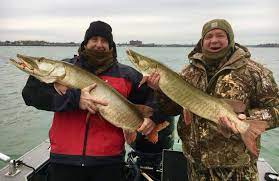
{"points": [[136, 43], [150, 45]]}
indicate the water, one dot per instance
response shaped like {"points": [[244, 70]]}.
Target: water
{"points": [[23, 127]]}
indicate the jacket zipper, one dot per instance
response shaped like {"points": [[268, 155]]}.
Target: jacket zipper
{"points": [[210, 83], [87, 123]]}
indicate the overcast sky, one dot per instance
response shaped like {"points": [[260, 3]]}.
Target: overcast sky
{"points": [[152, 21]]}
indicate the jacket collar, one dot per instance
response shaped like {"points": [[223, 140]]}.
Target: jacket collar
{"points": [[235, 61], [83, 64]]}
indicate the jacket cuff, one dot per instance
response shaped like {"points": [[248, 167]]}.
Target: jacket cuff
{"points": [[74, 95]]}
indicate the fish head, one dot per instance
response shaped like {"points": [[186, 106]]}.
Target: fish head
{"points": [[143, 64], [44, 69]]}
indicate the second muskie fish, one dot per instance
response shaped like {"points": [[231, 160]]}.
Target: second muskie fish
{"points": [[197, 101], [119, 111]]}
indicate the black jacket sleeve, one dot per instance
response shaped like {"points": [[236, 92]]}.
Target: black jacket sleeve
{"points": [[144, 95], [44, 97]]}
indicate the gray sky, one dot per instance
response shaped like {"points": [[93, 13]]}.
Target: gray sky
{"points": [[152, 21]]}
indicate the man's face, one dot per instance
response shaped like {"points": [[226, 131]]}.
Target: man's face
{"points": [[215, 40], [98, 43]]}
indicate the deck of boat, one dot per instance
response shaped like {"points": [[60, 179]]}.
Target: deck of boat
{"points": [[38, 158]]}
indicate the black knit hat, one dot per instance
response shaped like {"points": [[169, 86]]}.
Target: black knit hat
{"points": [[99, 28]]}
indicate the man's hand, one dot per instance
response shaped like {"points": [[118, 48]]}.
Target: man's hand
{"points": [[153, 80], [225, 122], [60, 89], [147, 126], [88, 102]]}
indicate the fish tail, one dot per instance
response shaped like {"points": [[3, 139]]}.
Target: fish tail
{"points": [[130, 136], [145, 111], [249, 136], [153, 136]]}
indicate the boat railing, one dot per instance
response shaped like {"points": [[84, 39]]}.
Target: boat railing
{"points": [[13, 168]]}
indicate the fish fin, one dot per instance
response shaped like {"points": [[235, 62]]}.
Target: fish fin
{"points": [[143, 80], [146, 111], [249, 136], [130, 136], [237, 105], [153, 136], [224, 131], [187, 117]]}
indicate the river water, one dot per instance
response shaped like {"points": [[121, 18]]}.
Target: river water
{"points": [[23, 127]]}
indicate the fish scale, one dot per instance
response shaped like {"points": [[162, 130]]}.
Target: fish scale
{"points": [[119, 111], [197, 101]]}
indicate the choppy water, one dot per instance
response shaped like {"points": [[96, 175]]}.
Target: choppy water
{"points": [[22, 127]]}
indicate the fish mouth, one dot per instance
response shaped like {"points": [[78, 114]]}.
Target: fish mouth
{"points": [[137, 60], [130, 54], [22, 63], [133, 56]]}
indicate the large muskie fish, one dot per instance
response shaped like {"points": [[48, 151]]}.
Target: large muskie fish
{"points": [[197, 101], [119, 111]]}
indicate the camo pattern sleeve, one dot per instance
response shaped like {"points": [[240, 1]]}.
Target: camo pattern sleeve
{"points": [[266, 97]]}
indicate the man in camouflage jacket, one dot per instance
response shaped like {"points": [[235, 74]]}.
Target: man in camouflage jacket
{"points": [[225, 72]]}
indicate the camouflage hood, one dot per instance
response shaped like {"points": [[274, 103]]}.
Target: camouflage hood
{"points": [[196, 57], [226, 27]]}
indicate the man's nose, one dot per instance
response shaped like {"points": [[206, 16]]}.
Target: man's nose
{"points": [[99, 43], [214, 39]]}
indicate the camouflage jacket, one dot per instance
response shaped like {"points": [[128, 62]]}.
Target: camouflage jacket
{"points": [[239, 78]]}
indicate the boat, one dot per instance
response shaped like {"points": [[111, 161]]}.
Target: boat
{"points": [[32, 166]]}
